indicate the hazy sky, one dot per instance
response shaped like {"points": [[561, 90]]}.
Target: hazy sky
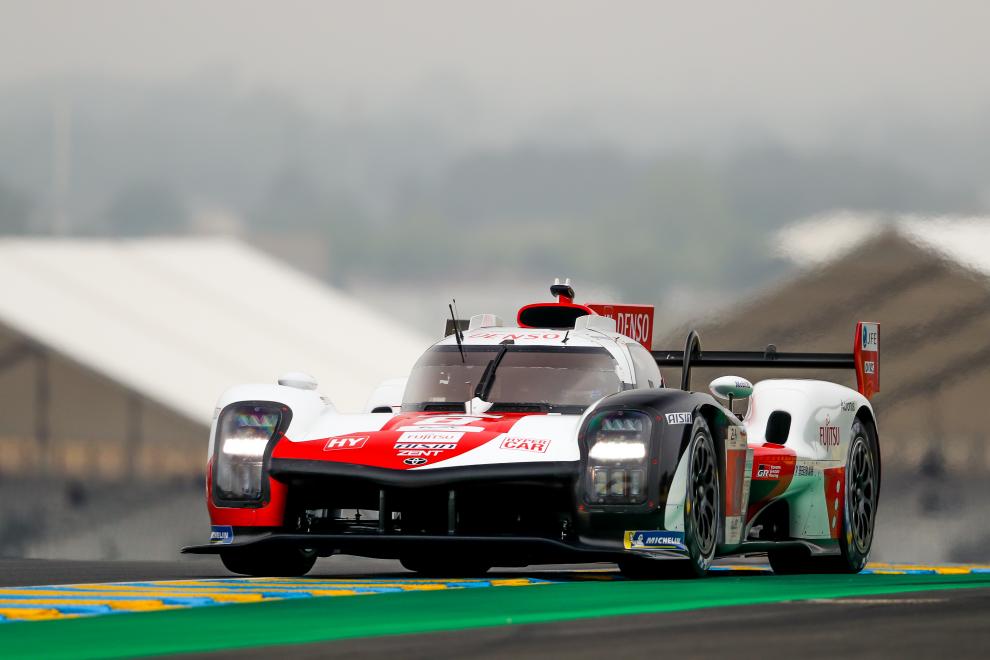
{"points": [[501, 67]]}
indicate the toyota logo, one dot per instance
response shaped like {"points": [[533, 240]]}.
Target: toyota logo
{"points": [[414, 461]]}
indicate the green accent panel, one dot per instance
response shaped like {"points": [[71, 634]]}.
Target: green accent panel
{"points": [[299, 621]]}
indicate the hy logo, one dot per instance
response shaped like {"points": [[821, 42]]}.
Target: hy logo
{"points": [[348, 442]]}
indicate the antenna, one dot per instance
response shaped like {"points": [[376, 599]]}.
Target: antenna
{"points": [[458, 336]]}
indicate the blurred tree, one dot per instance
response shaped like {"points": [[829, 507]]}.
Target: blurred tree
{"points": [[146, 209], [296, 208], [15, 212]]}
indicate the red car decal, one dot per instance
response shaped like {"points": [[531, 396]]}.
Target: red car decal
{"points": [[406, 441], [773, 469]]}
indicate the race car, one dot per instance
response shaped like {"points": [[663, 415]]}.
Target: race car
{"points": [[554, 440]]}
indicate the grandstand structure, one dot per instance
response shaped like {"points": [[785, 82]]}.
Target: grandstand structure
{"points": [[112, 353], [927, 282]]}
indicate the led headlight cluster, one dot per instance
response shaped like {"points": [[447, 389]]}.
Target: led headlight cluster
{"points": [[618, 451], [243, 434]]}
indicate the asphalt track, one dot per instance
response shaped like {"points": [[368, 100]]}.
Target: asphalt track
{"points": [[570, 611]]}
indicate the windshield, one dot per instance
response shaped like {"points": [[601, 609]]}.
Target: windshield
{"points": [[548, 377]]}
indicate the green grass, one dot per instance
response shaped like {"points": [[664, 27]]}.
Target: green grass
{"points": [[319, 619]]}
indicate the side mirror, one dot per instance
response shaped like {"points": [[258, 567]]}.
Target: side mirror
{"points": [[731, 388]]}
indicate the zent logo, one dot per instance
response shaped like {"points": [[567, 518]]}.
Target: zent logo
{"points": [[347, 442], [414, 461], [679, 418]]}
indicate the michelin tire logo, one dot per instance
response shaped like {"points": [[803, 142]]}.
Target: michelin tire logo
{"points": [[656, 539], [221, 534]]}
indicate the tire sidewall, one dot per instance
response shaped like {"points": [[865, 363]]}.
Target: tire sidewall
{"points": [[701, 562], [856, 559]]}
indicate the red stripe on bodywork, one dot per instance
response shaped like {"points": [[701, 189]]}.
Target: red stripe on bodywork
{"points": [[764, 490], [435, 437], [835, 498]]}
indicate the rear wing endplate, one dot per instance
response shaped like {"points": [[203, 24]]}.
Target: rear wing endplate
{"points": [[865, 359]]}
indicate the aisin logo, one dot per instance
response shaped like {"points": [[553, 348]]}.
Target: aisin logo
{"points": [[414, 461]]}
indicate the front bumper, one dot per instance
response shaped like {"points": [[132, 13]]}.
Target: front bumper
{"points": [[515, 513]]}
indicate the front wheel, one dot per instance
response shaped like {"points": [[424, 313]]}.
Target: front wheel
{"points": [[702, 502], [702, 516], [269, 562]]}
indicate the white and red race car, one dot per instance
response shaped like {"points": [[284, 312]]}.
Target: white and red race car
{"points": [[553, 441]]}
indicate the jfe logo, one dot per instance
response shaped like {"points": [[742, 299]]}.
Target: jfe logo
{"points": [[350, 442], [871, 337]]}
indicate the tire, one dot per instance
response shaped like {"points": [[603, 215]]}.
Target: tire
{"points": [[858, 516], [443, 567], [703, 501], [702, 516], [269, 562]]}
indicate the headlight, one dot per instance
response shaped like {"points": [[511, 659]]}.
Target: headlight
{"points": [[243, 434], [618, 448], [617, 451]]}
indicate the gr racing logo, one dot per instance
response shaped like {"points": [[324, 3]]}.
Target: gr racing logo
{"points": [[768, 471]]}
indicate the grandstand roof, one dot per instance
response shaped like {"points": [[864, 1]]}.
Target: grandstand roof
{"points": [[180, 320], [963, 241]]}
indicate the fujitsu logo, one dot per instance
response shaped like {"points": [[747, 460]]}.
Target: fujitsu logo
{"points": [[828, 435]]}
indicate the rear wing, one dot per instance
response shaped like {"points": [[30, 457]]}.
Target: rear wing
{"points": [[865, 359]]}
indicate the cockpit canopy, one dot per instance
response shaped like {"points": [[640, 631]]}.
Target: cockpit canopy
{"points": [[527, 378]]}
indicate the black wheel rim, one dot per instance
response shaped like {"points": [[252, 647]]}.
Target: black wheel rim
{"points": [[704, 488], [862, 494]]}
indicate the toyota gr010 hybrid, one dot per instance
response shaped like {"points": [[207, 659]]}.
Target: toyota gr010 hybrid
{"points": [[553, 440]]}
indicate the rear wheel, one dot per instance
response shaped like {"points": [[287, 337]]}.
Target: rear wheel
{"points": [[859, 513], [446, 566], [269, 562]]}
